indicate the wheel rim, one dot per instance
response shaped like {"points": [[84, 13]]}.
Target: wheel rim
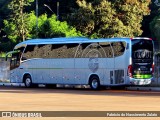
{"points": [[28, 82], [95, 83]]}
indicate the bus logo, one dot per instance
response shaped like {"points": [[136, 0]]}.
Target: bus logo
{"points": [[141, 54], [93, 64]]}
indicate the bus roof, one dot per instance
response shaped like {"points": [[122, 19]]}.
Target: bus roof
{"points": [[70, 40]]}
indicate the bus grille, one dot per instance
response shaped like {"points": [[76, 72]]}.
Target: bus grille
{"points": [[119, 76]]}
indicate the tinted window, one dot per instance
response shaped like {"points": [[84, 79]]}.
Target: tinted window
{"points": [[101, 50], [118, 48], [29, 52], [107, 48], [87, 50], [50, 51], [92, 50], [142, 49], [64, 50]]}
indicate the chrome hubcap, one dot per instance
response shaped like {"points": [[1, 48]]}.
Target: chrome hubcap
{"points": [[28, 82], [94, 83]]}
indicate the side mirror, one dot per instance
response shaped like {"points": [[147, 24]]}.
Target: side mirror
{"points": [[6, 57]]}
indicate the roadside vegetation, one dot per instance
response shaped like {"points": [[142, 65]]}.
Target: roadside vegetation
{"points": [[19, 19]]}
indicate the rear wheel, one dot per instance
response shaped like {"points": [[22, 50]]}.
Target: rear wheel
{"points": [[28, 81], [94, 83]]}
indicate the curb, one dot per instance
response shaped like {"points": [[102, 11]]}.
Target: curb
{"points": [[12, 84], [144, 88], [127, 88]]}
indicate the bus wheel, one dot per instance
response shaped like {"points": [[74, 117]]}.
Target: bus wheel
{"points": [[94, 83], [28, 81]]}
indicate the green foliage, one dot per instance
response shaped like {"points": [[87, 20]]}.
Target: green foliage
{"points": [[93, 18], [12, 31], [3, 10], [2, 54], [154, 23], [51, 27], [109, 18], [47, 28], [22, 25], [18, 20], [155, 27]]}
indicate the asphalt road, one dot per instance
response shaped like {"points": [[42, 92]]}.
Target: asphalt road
{"points": [[67, 99]]}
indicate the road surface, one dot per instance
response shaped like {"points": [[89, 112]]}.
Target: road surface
{"points": [[62, 99]]}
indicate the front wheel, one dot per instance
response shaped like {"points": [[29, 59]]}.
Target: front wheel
{"points": [[94, 83], [28, 81]]}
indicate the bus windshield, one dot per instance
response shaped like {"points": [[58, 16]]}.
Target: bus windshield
{"points": [[142, 58], [142, 50]]}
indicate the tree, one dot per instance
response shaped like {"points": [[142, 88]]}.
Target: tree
{"points": [[16, 26], [3, 15], [155, 21], [155, 27], [51, 27], [154, 6], [47, 28], [3, 10], [109, 18]]}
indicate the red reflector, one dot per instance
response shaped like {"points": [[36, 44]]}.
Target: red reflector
{"points": [[152, 68], [130, 70]]}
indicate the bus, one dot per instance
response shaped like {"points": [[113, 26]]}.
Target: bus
{"points": [[83, 61]]}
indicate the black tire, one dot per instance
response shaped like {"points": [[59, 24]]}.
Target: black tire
{"points": [[94, 83], [50, 85], [28, 81]]}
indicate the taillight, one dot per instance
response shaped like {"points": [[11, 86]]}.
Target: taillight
{"points": [[130, 71], [152, 68]]}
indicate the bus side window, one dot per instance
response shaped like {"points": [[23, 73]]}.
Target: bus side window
{"points": [[78, 51], [71, 49], [28, 53], [64, 50], [15, 61], [100, 50], [107, 48], [118, 48]]}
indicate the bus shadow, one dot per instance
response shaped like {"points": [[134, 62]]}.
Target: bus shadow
{"points": [[77, 91]]}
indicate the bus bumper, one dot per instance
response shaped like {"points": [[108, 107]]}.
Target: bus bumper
{"points": [[134, 81]]}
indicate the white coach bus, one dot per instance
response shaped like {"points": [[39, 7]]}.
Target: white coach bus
{"points": [[83, 61]]}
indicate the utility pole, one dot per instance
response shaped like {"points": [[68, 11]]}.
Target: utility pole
{"points": [[36, 18], [57, 10]]}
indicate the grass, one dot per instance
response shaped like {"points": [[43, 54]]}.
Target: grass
{"points": [[2, 54]]}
